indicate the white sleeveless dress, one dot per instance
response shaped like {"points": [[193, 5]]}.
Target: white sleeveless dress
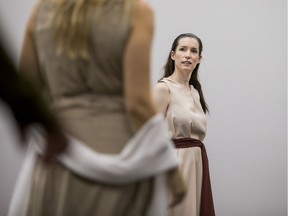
{"points": [[186, 119]]}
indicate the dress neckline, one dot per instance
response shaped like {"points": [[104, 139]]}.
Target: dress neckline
{"points": [[179, 84]]}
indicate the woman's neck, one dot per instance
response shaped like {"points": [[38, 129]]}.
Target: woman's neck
{"points": [[181, 78]]}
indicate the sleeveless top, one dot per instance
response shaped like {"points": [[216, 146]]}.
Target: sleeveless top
{"points": [[87, 95], [185, 116]]}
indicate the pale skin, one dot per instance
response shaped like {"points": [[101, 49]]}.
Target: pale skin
{"points": [[137, 66], [186, 57], [56, 140], [137, 85], [28, 58]]}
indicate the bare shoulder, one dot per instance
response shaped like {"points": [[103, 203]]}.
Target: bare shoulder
{"points": [[161, 96], [143, 7], [32, 18], [162, 88], [143, 12]]}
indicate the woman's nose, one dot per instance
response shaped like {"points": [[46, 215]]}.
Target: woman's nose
{"points": [[187, 56]]}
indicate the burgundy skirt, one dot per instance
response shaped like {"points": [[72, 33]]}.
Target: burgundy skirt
{"points": [[207, 206]]}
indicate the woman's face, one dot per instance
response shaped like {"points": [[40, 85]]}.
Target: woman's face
{"points": [[186, 56]]}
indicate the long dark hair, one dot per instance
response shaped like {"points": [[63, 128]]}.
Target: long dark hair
{"points": [[169, 68]]}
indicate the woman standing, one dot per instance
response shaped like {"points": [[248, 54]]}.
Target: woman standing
{"points": [[178, 95], [91, 58]]}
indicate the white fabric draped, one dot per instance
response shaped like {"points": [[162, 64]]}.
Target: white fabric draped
{"points": [[148, 153]]}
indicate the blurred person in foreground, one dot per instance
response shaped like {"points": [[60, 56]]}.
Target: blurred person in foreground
{"points": [[91, 60]]}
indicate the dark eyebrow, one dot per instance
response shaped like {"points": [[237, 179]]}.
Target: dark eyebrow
{"points": [[187, 47], [192, 48]]}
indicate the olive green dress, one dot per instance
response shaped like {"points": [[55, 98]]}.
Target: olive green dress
{"points": [[87, 95]]}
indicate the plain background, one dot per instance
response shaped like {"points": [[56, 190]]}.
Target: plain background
{"points": [[244, 78]]}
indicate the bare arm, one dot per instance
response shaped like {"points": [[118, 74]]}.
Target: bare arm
{"points": [[161, 96], [138, 99], [28, 60], [34, 108]]}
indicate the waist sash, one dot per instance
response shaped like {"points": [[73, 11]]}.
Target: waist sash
{"points": [[207, 206], [148, 153]]}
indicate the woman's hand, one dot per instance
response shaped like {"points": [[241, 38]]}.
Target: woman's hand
{"points": [[56, 144], [176, 185]]}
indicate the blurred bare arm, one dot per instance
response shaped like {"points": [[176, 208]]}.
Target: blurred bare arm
{"points": [[28, 59], [138, 100], [36, 108]]}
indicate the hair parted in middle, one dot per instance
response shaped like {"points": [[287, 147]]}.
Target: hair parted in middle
{"points": [[169, 67]]}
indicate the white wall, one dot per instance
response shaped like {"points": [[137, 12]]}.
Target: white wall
{"points": [[13, 18], [243, 73]]}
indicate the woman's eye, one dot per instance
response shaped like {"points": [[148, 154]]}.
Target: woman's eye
{"points": [[194, 51], [181, 49]]}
